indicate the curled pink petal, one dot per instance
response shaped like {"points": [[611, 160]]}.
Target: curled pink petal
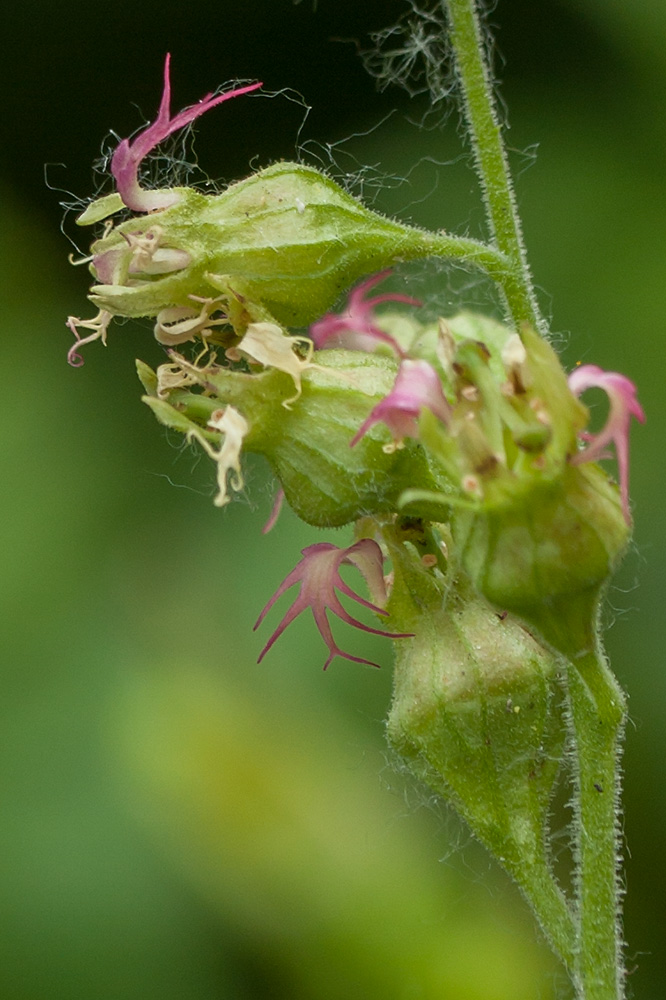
{"points": [[318, 573], [128, 155], [417, 385], [621, 393], [355, 328]]}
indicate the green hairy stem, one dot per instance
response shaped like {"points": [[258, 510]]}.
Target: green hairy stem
{"points": [[598, 713], [597, 706], [490, 156]]}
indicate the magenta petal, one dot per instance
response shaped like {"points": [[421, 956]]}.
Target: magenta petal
{"points": [[348, 592], [289, 581], [417, 385], [355, 328], [294, 611], [333, 648], [336, 607], [348, 656], [275, 512], [367, 556], [392, 297], [128, 155], [374, 418]]}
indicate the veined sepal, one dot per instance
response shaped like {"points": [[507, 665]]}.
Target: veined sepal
{"points": [[547, 554], [477, 716], [477, 707]]}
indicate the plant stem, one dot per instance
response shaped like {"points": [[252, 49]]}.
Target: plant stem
{"points": [[490, 157], [598, 714], [597, 704]]}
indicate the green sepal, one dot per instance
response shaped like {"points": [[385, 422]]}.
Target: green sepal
{"points": [[175, 419], [547, 554], [308, 443], [477, 707], [100, 209], [147, 377], [477, 716]]}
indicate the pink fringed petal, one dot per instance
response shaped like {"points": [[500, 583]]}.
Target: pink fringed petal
{"points": [[318, 573], [417, 385], [355, 328]]}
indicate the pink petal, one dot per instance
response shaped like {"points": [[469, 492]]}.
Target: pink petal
{"points": [[128, 155], [275, 512], [319, 576], [355, 328], [416, 386], [367, 556]]}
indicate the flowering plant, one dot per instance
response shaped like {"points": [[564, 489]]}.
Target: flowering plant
{"points": [[458, 448]]}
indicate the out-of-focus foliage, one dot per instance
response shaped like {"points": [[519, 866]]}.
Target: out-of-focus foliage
{"points": [[178, 822]]}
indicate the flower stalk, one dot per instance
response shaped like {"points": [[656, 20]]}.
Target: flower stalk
{"points": [[596, 702]]}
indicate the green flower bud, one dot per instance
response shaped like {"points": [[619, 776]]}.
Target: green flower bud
{"points": [[477, 708], [546, 555]]}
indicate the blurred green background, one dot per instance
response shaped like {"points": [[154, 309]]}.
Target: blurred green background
{"points": [[177, 821]]}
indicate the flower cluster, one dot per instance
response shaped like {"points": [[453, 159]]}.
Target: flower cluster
{"points": [[465, 418], [458, 447], [462, 427]]}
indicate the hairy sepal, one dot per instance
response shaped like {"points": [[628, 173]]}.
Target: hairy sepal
{"points": [[288, 237], [548, 555], [477, 710]]}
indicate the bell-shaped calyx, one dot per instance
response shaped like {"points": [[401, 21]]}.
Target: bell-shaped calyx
{"points": [[477, 716], [548, 554], [537, 525], [302, 417], [289, 236]]}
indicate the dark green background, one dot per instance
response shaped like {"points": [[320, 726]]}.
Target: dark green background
{"points": [[178, 822]]}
